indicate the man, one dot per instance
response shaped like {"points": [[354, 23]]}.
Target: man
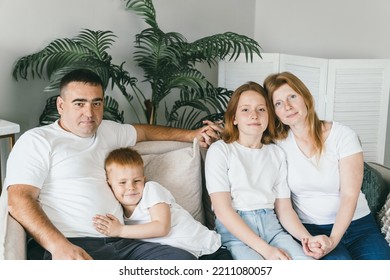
{"points": [[56, 181]]}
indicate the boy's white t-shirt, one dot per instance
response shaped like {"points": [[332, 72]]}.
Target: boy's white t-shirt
{"points": [[315, 186], [69, 170], [186, 232], [254, 177]]}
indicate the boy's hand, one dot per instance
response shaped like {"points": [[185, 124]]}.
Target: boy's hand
{"points": [[108, 225]]}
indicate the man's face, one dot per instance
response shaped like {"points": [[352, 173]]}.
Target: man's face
{"points": [[81, 108]]}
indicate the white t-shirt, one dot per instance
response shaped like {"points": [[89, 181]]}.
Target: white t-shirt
{"points": [[254, 177], [315, 187], [186, 232], [69, 171]]}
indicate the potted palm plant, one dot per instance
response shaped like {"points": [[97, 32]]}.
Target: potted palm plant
{"points": [[168, 62]]}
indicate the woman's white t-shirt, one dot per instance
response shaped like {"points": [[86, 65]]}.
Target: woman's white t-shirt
{"points": [[315, 185]]}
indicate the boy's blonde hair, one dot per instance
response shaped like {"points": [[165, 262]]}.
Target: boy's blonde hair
{"points": [[124, 157]]}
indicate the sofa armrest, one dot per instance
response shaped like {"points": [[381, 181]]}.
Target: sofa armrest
{"points": [[12, 234], [15, 245]]}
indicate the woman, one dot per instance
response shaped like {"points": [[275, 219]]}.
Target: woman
{"points": [[246, 180], [325, 173]]}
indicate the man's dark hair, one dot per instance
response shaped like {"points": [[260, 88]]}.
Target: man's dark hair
{"points": [[81, 75]]}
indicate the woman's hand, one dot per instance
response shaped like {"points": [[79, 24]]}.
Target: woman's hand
{"points": [[317, 246]]}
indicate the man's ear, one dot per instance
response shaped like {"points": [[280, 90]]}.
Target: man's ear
{"points": [[60, 104]]}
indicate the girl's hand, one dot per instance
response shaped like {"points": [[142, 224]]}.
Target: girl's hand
{"points": [[273, 253]]}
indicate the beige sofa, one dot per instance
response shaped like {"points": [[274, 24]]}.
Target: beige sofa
{"points": [[179, 167], [175, 165]]}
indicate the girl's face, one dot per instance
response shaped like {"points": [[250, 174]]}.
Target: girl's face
{"points": [[251, 115], [289, 106], [127, 183]]}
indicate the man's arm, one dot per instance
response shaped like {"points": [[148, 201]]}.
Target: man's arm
{"points": [[206, 135], [24, 207]]}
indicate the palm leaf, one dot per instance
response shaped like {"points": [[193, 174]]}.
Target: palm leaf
{"points": [[145, 9], [97, 42], [57, 54], [217, 47], [211, 103], [185, 79], [185, 119]]}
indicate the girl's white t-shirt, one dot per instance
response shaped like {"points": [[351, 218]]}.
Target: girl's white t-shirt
{"points": [[254, 177]]}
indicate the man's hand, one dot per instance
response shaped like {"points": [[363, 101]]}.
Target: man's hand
{"points": [[70, 252], [209, 133]]}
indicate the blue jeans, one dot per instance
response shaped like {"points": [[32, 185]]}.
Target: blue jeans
{"points": [[361, 241], [266, 225], [111, 248]]}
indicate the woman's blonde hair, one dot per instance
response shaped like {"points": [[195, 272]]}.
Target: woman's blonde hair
{"points": [[275, 81], [231, 132]]}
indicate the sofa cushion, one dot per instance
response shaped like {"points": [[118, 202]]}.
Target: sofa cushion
{"points": [[176, 166], [384, 219], [374, 188]]}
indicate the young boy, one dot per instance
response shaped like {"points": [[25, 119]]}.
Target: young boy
{"points": [[150, 210]]}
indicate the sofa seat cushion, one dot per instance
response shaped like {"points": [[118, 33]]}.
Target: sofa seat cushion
{"points": [[176, 166]]}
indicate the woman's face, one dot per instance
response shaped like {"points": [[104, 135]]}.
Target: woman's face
{"points": [[289, 106]]}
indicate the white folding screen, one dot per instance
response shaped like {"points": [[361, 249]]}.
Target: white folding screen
{"points": [[232, 74], [354, 92], [358, 96]]}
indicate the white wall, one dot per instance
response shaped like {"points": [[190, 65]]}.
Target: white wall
{"points": [[342, 29]]}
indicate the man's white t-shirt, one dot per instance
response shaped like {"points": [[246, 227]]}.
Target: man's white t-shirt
{"points": [[69, 170], [254, 177], [186, 232], [315, 186]]}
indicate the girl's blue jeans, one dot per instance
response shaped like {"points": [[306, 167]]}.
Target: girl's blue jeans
{"points": [[266, 225], [361, 241]]}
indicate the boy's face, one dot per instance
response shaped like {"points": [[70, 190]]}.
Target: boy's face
{"points": [[127, 183]]}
